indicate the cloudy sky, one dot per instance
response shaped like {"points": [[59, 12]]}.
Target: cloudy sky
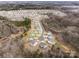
{"points": [[39, 0]]}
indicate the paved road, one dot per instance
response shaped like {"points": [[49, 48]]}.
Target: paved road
{"points": [[36, 19]]}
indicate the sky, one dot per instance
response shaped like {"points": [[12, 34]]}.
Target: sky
{"points": [[39, 0]]}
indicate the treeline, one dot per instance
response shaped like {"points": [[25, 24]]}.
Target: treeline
{"points": [[67, 26], [8, 7]]}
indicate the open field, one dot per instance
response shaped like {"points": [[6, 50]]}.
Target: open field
{"points": [[17, 15]]}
